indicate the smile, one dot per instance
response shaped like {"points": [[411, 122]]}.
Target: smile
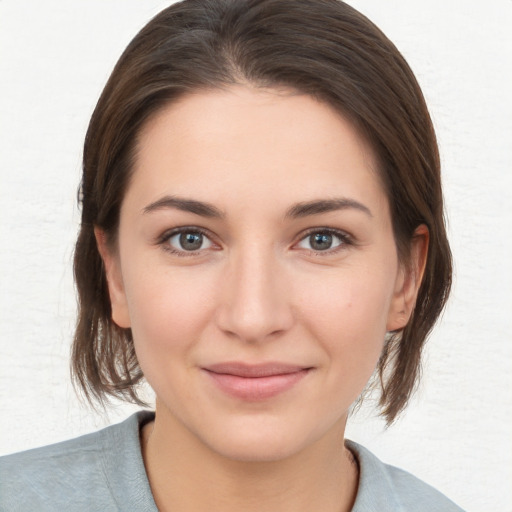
{"points": [[255, 382]]}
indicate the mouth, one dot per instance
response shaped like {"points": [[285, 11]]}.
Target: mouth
{"points": [[255, 382]]}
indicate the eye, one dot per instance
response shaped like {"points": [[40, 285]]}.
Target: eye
{"points": [[323, 240], [188, 241]]}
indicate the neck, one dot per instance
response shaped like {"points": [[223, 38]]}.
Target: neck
{"points": [[185, 475]]}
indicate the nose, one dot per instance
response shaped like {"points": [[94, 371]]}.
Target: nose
{"points": [[254, 297]]}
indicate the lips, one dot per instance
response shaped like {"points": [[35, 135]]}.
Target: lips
{"points": [[255, 382]]}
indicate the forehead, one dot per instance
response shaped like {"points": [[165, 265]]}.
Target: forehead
{"points": [[247, 143]]}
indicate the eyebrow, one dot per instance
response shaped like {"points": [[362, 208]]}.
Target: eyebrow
{"points": [[187, 205], [297, 211], [324, 206]]}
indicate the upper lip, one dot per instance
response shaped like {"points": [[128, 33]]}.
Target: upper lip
{"points": [[255, 370]]}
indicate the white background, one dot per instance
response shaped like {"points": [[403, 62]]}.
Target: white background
{"points": [[56, 55]]}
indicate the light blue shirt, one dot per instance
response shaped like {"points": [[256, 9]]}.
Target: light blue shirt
{"points": [[104, 471]]}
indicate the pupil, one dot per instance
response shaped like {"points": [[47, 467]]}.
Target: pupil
{"points": [[191, 241], [321, 241]]}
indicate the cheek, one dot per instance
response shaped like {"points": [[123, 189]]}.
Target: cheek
{"points": [[168, 308], [348, 316]]}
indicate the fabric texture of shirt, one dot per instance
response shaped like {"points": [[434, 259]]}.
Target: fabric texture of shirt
{"points": [[104, 471]]}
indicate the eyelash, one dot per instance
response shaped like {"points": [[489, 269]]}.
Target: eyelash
{"points": [[345, 240], [164, 239]]}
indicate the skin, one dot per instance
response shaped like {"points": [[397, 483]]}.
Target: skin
{"points": [[256, 291]]}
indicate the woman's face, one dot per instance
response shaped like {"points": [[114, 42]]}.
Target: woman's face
{"points": [[257, 269]]}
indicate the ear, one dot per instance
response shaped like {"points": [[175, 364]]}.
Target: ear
{"points": [[408, 281], [112, 265]]}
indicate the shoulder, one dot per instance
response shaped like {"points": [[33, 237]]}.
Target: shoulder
{"points": [[54, 476], [79, 474], [385, 488]]}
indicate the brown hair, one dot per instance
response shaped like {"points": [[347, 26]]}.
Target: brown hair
{"points": [[323, 48]]}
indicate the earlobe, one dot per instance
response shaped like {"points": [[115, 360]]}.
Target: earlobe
{"points": [[409, 280], [111, 263]]}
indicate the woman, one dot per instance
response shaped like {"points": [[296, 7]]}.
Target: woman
{"points": [[262, 231]]}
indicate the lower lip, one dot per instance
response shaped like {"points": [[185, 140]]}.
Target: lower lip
{"points": [[256, 388]]}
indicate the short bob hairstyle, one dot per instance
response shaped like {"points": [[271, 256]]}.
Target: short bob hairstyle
{"points": [[323, 48]]}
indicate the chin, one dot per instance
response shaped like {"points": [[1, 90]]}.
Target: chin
{"points": [[258, 441]]}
